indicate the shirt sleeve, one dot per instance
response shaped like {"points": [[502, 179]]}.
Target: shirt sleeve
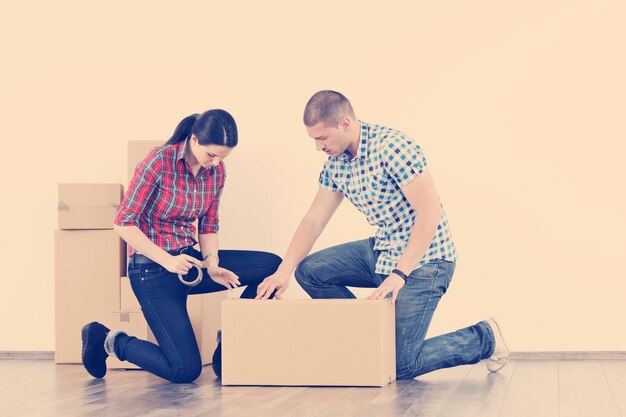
{"points": [[325, 180], [144, 183], [402, 159], [210, 221]]}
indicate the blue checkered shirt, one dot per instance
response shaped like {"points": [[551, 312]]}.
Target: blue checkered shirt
{"points": [[386, 160]]}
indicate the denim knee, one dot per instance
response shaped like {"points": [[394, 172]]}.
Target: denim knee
{"points": [[303, 271], [405, 369], [403, 375], [406, 373], [187, 374]]}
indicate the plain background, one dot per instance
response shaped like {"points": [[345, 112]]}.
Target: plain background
{"points": [[519, 107]]}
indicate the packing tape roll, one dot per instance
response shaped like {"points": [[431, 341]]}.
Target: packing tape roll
{"points": [[195, 281]]}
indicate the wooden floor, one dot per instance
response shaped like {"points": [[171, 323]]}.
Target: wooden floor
{"points": [[522, 388]]}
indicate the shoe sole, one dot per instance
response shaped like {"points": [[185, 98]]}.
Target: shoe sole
{"points": [[508, 352], [84, 334]]}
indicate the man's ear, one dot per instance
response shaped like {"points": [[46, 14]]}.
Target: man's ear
{"points": [[345, 123]]}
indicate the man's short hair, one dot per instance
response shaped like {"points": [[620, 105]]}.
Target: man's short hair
{"points": [[328, 107]]}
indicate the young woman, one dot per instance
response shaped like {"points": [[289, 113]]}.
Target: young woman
{"points": [[175, 185]]}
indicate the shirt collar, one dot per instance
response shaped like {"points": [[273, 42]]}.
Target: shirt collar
{"points": [[361, 152], [182, 149]]}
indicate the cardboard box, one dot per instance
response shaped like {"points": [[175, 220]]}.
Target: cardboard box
{"points": [[204, 312], [128, 301], [88, 267], [137, 151], [308, 342], [88, 206], [211, 321]]}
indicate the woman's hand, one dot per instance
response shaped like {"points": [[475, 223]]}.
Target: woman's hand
{"points": [[223, 276], [181, 264]]}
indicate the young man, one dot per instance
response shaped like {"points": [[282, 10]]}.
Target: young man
{"points": [[412, 257]]}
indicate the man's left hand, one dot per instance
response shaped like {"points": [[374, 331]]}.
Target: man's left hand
{"points": [[392, 284]]}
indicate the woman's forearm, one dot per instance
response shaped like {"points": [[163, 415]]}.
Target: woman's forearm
{"points": [[209, 244]]}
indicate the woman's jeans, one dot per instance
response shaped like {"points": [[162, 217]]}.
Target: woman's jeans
{"points": [[326, 274], [163, 300]]}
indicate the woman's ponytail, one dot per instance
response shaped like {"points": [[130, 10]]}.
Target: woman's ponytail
{"points": [[183, 130]]}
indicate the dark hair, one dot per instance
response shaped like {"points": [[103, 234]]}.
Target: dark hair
{"points": [[327, 107], [213, 127]]}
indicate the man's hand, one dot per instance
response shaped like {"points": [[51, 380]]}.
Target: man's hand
{"points": [[223, 276], [392, 284], [277, 282]]}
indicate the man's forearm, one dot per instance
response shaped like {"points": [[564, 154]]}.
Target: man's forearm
{"points": [[421, 237], [303, 240]]}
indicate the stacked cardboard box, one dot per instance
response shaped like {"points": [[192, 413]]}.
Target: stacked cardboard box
{"points": [[88, 206], [90, 271], [89, 261]]}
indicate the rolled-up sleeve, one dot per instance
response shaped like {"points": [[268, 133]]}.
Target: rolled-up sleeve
{"points": [[403, 159], [325, 179], [210, 221], [142, 186]]}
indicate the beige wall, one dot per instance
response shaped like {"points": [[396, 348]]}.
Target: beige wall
{"points": [[519, 107]]}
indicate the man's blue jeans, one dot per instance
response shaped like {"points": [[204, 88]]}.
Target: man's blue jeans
{"points": [[326, 274]]}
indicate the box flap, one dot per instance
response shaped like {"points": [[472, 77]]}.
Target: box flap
{"points": [[89, 195]]}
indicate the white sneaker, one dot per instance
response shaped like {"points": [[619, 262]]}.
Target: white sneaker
{"points": [[501, 352]]}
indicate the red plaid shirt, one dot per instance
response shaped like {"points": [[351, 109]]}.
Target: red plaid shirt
{"points": [[164, 198]]}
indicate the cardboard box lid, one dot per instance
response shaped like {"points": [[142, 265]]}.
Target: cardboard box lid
{"points": [[89, 195]]}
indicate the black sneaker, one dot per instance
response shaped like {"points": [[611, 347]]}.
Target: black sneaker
{"points": [[94, 356], [216, 363]]}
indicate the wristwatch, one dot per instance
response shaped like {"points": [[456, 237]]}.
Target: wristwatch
{"points": [[400, 274], [213, 255]]}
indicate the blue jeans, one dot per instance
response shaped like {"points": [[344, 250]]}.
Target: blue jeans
{"points": [[163, 300], [326, 274]]}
